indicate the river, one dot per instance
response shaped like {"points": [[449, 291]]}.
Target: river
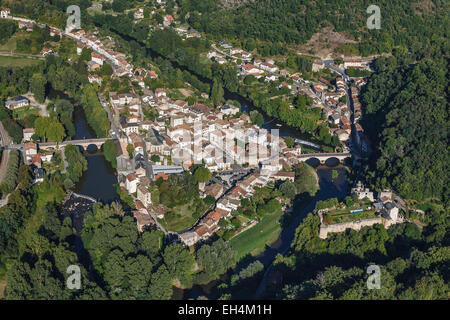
{"points": [[99, 179], [329, 188]]}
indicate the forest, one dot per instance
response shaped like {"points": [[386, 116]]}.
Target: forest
{"points": [[406, 117], [413, 262], [125, 264], [294, 22]]}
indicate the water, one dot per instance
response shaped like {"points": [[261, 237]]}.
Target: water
{"points": [[329, 188], [99, 179]]}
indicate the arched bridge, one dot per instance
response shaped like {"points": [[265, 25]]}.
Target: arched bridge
{"points": [[83, 143], [322, 157]]}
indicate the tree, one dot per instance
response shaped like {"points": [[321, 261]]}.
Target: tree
{"points": [[289, 141], [85, 54], [110, 152], [202, 174], [49, 128], [179, 263], [37, 86], [215, 260], [216, 93], [130, 150], [155, 158], [256, 118], [119, 5], [288, 189]]}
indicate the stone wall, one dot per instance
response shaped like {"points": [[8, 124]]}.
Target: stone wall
{"points": [[355, 225]]}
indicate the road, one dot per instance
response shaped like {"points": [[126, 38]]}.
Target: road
{"points": [[4, 164], [114, 130], [5, 140]]}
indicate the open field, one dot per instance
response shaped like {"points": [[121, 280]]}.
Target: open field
{"points": [[178, 218], [338, 216], [6, 61], [20, 113], [255, 239]]}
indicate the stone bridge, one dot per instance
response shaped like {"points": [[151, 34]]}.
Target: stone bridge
{"points": [[83, 143], [322, 157]]}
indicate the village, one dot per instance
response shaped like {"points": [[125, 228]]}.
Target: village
{"points": [[223, 139]]}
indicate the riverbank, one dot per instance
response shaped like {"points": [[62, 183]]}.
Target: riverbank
{"points": [[252, 241], [279, 237]]}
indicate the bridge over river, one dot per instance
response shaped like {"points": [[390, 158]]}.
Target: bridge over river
{"points": [[98, 142], [322, 157]]}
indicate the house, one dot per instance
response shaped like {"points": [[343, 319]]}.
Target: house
{"points": [[251, 69], [268, 67], [29, 27], [143, 219], [17, 102], [95, 78], [159, 92], [284, 175], [343, 135], [285, 85], [189, 238], [203, 232], [317, 65], [214, 190], [79, 49], [92, 65], [4, 13], [97, 58], [30, 149], [385, 195], [46, 51], [246, 55], [144, 195], [168, 19], [131, 183], [355, 64], [153, 74], [390, 211], [139, 14], [38, 175], [362, 192], [36, 160], [27, 134], [46, 156], [53, 32]]}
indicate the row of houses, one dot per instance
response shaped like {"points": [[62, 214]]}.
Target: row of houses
{"points": [[101, 53]]}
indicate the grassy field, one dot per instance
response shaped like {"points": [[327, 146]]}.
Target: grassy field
{"points": [[338, 217], [253, 240], [17, 62], [178, 218], [10, 44], [20, 113]]}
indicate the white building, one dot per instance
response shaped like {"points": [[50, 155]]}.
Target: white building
{"points": [[131, 183]]}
